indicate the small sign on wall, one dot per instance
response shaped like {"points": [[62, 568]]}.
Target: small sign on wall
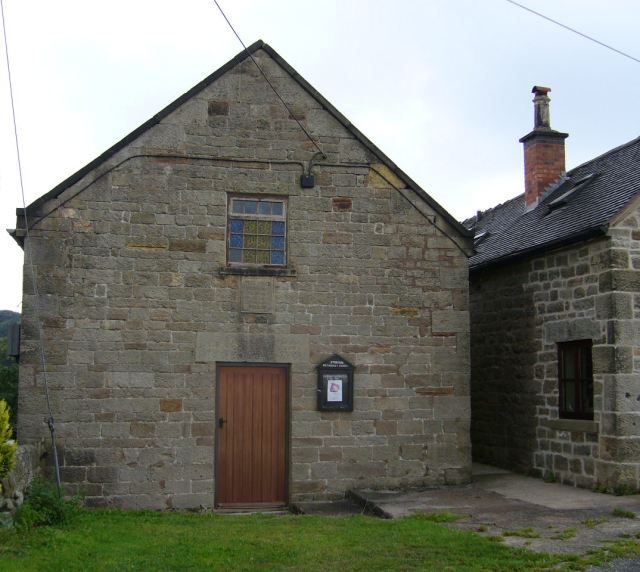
{"points": [[335, 385]]}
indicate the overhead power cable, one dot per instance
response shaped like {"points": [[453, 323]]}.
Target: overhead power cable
{"points": [[28, 252], [291, 114], [573, 30]]}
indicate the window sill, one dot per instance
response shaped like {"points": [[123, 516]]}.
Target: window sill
{"points": [[255, 271], [572, 425]]}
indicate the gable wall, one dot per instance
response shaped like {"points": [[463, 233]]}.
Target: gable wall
{"points": [[136, 312]]}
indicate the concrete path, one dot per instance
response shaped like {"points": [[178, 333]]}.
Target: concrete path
{"points": [[527, 512]]}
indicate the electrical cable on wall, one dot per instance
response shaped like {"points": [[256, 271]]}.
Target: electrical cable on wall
{"points": [[306, 170], [29, 257]]}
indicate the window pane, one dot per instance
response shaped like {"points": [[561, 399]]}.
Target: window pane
{"points": [[585, 363], [264, 227], [277, 228], [262, 257], [250, 241], [264, 207], [569, 396], [249, 256], [569, 364], [277, 208], [250, 226], [237, 206], [587, 397], [277, 257], [250, 207], [263, 242], [236, 225], [277, 242], [235, 255], [236, 241]]}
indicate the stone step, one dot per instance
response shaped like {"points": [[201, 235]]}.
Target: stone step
{"points": [[281, 511], [344, 507]]}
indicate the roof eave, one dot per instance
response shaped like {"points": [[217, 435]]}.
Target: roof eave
{"points": [[586, 234]]}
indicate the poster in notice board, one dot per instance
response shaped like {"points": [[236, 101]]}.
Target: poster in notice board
{"points": [[335, 385]]}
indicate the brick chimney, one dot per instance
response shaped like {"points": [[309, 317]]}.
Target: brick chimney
{"points": [[543, 149]]}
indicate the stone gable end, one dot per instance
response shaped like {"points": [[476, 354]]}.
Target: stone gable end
{"points": [[140, 307]]}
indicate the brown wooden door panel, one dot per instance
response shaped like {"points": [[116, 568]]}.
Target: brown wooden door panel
{"points": [[251, 455]]}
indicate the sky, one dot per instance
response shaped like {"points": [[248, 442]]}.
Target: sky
{"points": [[443, 87]]}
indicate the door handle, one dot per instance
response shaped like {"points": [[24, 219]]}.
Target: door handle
{"points": [[221, 422]]}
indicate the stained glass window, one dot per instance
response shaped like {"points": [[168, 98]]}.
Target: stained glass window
{"points": [[257, 231]]}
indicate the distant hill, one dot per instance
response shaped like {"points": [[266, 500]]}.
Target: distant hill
{"points": [[7, 317]]}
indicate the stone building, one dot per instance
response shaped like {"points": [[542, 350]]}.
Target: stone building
{"points": [[193, 277], [555, 317]]}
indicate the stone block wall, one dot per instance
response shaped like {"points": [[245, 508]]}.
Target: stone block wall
{"points": [[567, 286], [519, 313], [138, 306], [504, 344]]}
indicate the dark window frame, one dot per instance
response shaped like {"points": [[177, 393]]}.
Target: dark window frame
{"points": [[232, 251], [578, 403]]}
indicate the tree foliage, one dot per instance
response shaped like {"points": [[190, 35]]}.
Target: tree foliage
{"points": [[8, 381], [7, 445]]}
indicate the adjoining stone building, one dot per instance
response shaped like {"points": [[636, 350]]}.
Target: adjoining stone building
{"points": [[555, 317], [193, 277]]}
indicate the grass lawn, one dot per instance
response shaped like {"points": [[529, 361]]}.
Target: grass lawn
{"points": [[99, 540]]}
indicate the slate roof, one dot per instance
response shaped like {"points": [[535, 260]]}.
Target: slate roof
{"points": [[258, 45], [576, 207]]}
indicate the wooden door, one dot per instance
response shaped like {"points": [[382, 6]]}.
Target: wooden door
{"points": [[251, 436]]}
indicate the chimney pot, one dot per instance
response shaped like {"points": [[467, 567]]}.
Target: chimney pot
{"points": [[540, 90], [541, 115]]}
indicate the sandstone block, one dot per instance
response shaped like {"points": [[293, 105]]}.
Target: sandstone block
{"points": [[170, 405]]}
